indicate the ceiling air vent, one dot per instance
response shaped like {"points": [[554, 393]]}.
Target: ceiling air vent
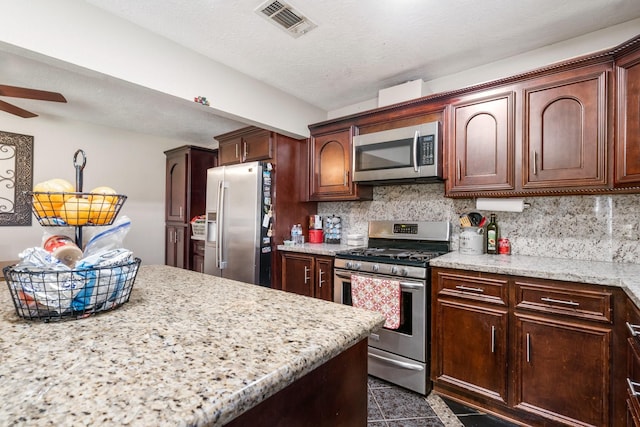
{"points": [[286, 17]]}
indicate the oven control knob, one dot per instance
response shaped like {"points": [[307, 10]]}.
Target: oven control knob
{"points": [[394, 270], [376, 268], [357, 266], [349, 264], [405, 271]]}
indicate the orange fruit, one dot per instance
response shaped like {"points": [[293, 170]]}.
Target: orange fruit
{"points": [[49, 204], [102, 211], [75, 211], [103, 190]]}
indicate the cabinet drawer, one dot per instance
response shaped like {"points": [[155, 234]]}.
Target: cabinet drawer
{"points": [[490, 290], [580, 303]]}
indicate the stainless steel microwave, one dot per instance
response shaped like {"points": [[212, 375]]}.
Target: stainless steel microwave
{"points": [[411, 153]]}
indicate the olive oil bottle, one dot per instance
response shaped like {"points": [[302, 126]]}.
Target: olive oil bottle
{"points": [[492, 235]]}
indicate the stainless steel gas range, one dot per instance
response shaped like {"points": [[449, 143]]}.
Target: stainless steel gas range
{"points": [[398, 251]]}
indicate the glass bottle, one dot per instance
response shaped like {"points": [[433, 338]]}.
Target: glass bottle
{"points": [[492, 235]]}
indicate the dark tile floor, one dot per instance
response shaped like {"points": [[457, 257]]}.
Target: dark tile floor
{"points": [[393, 406]]}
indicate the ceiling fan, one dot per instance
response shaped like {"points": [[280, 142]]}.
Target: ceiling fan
{"points": [[21, 92]]}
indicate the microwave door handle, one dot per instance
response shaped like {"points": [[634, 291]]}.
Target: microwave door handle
{"points": [[415, 151]]}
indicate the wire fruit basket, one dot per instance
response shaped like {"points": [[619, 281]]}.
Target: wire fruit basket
{"points": [[56, 295], [48, 293]]}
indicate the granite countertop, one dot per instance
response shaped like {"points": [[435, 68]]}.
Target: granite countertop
{"points": [[187, 349], [316, 248], [626, 276]]}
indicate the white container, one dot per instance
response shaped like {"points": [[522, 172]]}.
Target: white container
{"points": [[471, 241], [356, 240]]}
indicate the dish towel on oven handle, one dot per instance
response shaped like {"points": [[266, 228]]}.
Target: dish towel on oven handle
{"points": [[381, 295]]}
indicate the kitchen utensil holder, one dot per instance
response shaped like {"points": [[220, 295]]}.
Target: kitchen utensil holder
{"points": [[48, 294], [70, 294]]}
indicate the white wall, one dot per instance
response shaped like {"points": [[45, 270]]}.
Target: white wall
{"points": [[589, 43], [81, 34], [133, 164]]}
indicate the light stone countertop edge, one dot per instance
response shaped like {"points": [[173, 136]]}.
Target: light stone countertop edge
{"points": [[187, 349], [622, 275]]}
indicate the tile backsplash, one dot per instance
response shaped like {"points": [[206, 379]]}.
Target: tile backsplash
{"points": [[597, 228]]}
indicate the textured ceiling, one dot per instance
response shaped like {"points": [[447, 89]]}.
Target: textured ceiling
{"points": [[358, 48]]}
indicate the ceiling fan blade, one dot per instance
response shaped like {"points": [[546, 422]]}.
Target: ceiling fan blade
{"points": [[12, 109], [22, 92]]}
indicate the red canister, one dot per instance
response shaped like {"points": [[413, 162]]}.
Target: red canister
{"points": [[504, 246], [316, 236]]}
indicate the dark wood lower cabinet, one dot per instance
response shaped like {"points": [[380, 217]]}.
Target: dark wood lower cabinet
{"points": [[535, 351], [333, 395], [308, 275], [562, 370], [472, 348]]}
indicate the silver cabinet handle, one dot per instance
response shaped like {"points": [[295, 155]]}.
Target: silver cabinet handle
{"points": [[528, 348], [535, 163], [237, 154], [632, 387], [470, 289], [404, 365], [306, 272], [459, 168], [493, 339], [180, 212], [633, 329], [560, 301], [246, 149], [345, 178], [415, 151], [320, 273]]}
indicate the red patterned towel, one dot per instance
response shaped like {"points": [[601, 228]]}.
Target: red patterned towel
{"points": [[381, 295]]}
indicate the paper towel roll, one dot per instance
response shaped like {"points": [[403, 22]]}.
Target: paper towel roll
{"points": [[500, 205]]}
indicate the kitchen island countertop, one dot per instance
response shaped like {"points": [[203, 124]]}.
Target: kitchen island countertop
{"points": [[624, 275], [187, 349]]}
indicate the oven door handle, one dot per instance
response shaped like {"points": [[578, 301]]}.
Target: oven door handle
{"points": [[404, 285], [404, 365], [407, 285]]}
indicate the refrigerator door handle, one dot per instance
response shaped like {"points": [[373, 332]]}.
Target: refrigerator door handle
{"points": [[220, 263]]}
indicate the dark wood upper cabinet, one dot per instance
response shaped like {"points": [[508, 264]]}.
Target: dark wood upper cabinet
{"points": [[565, 129], [330, 172], [482, 144], [627, 166], [245, 145]]}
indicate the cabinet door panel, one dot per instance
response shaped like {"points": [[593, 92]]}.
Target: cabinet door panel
{"points": [[471, 348], [324, 279], [483, 144], [298, 273], [257, 147], [176, 202], [628, 121], [565, 133], [563, 370], [229, 152]]}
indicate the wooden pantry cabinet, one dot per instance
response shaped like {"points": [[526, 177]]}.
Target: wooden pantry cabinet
{"points": [[536, 351], [185, 197], [306, 274]]}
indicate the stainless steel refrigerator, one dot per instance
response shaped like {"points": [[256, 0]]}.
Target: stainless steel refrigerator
{"points": [[238, 212]]}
